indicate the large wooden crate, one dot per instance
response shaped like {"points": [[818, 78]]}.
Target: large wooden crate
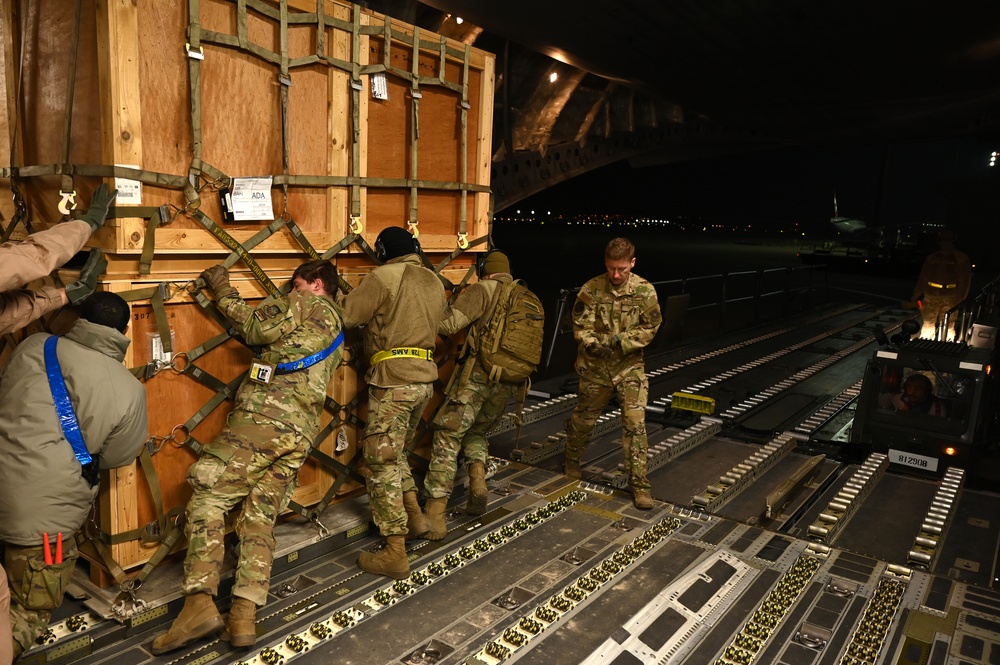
{"points": [[182, 103]]}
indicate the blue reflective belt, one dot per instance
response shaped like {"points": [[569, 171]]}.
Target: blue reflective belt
{"points": [[64, 407], [309, 361]]}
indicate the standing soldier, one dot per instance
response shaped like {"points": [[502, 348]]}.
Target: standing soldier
{"points": [[400, 303], [944, 282], [616, 315], [474, 402], [256, 457]]}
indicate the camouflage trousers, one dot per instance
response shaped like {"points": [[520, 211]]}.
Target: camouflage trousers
{"points": [[472, 408], [36, 589], [255, 461], [632, 389], [393, 417], [6, 648]]}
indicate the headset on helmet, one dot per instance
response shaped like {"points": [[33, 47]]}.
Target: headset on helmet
{"points": [[380, 248]]}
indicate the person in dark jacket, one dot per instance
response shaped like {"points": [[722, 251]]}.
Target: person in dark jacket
{"points": [[46, 485]]}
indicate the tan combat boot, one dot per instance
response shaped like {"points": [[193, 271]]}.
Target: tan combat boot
{"points": [[435, 516], [240, 625], [642, 500], [572, 469], [199, 617], [391, 561], [416, 521], [478, 494]]}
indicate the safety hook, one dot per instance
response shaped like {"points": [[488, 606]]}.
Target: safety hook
{"points": [[356, 226], [68, 202]]}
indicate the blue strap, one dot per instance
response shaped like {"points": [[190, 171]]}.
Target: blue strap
{"points": [[309, 361], [64, 407]]}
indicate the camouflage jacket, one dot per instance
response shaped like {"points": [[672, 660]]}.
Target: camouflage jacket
{"points": [[473, 304], [400, 304], [602, 312], [289, 328], [472, 307]]}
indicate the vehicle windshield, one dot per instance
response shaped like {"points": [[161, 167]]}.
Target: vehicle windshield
{"points": [[922, 392]]}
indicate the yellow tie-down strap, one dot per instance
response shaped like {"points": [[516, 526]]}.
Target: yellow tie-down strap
{"points": [[403, 352], [941, 286], [696, 403]]}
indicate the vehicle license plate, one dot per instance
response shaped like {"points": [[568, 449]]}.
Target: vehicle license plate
{"points": [[921, 462]]}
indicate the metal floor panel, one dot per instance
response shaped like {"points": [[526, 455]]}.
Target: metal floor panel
{"points": [[672, 585]]}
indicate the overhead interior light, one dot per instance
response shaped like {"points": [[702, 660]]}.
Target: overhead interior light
{"points": [[553, 77], [459, 20]]}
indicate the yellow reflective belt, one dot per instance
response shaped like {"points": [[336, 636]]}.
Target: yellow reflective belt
{"points": [[403, 352], [942, 286]]}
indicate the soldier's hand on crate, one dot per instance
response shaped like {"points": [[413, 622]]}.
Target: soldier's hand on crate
{"points": [[95, 266], [217, 279], [99, 204]]}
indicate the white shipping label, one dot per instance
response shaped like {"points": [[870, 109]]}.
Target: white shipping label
{"points": [[129, 191], [921, 462], [252, 199], [156, 352]]}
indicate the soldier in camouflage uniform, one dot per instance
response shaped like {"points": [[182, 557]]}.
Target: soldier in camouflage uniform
{"points": [[472, 406], [255, 459], [614, 317], [400, 304]]}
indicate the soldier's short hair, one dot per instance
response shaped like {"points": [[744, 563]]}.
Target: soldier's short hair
{"points": [[106, 309], [619, 248], [324, 271]]}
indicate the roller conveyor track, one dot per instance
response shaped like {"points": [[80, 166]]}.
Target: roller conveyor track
{"points": [[580, 576], [598, 581]]}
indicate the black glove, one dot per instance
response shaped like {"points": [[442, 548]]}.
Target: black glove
{"points": [[95, 266], [99, 204], [217, 279], [598, 350]]}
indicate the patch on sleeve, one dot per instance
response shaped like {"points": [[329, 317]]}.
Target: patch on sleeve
{"points": [[579, 307], [266, 312]]}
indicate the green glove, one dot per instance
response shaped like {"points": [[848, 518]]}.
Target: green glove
{"points": [[99, 204], [217, 279], [95, 266]]}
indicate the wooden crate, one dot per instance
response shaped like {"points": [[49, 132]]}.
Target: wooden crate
{"points": [[183, 106]]}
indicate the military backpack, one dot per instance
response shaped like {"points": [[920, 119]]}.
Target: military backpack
{"points": [[509, 344]]}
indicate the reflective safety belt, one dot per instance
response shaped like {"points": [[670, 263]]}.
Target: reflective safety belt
{"points": [[403, 352], [309, 361], [64, 410], [942, 286]]}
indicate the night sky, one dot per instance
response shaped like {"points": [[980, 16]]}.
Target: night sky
{"points": [[882, 185]]}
